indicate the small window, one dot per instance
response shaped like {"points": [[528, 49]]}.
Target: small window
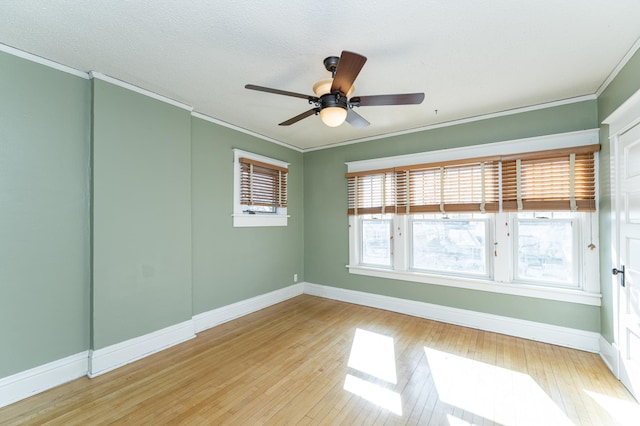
{"points": [[260, 190]]}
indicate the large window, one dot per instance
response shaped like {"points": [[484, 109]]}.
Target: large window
{"points": [[514, 222]]}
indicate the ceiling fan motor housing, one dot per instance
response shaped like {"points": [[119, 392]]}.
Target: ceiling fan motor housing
{"points": [[333, 100]]}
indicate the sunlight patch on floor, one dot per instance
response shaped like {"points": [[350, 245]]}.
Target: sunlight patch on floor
{"points": [[374, 393], [623, 412], [373, 354], [454, 421], [474, 386]]}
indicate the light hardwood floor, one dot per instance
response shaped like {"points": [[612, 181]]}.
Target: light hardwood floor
{"points": [[316, 361]]}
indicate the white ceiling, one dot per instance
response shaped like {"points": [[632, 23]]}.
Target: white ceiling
{"points": [[470, 57]]}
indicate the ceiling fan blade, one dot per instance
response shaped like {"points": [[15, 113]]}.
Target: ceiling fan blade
{"points": [[348, 69], [356, 120], [299, 117], [280, 92], [397, 99]]}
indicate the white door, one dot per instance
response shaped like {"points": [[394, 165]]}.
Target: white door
{"points": [[628, 270]]}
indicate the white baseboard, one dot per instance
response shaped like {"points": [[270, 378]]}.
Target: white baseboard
{"points": [[93, 363], [227, 313], [610, 355], [106, 359], [44, 377], [557, 335]]}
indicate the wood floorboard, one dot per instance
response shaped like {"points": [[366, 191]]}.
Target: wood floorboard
{"points": [[289, 364]]}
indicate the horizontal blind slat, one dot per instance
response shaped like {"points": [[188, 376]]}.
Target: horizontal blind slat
{"points": [[467, 185]]}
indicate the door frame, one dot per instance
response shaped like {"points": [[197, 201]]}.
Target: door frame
{"points": [[625, 117]]}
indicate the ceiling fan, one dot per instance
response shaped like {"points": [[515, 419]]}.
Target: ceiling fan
{"points": [[332, 101]]}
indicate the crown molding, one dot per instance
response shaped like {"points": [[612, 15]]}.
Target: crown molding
{"points": [[99, 76], [129, 86], [505, 113], [625, 59], [243, 130], [42, 61]]}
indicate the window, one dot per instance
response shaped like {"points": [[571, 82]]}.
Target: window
{"points": [[546, 248], [511, 222], [376, 241], [451, 244], [260, 190]]}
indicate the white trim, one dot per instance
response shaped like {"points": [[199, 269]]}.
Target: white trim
{"points": [[43, 61], [140, 90], [100, 76], [623, 119], [463, 121], [538, 292], [516, 146], [30, 382], [243, 130], [547, 333], [613, 74], [625, 116], [44, 377], [241, 219], [106, 359], [257, 157], [610, 356], [227, 313]]}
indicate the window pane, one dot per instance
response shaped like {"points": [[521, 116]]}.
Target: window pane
{"points": [[545, 250], [457, 246], [376, 242], [259, 209]]}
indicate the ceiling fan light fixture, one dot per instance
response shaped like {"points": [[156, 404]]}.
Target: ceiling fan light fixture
{"points": [[323, 87], [333, 116]]}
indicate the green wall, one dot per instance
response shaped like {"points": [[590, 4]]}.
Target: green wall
{"points": [[232, 264], [141, 214], [44, 214], [326, 224], [625, 84], [115, 216], [157, 245]]}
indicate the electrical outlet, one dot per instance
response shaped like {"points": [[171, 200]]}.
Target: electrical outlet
{"points": [[295, 278]]}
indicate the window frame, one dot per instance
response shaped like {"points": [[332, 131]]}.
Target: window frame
{"points": [[411, 219], [361, 221], [243, 218], [501, 279], [576, 253]]}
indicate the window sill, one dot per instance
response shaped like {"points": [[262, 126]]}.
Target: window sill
{"points": [[255, 220], [549, 293]]}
